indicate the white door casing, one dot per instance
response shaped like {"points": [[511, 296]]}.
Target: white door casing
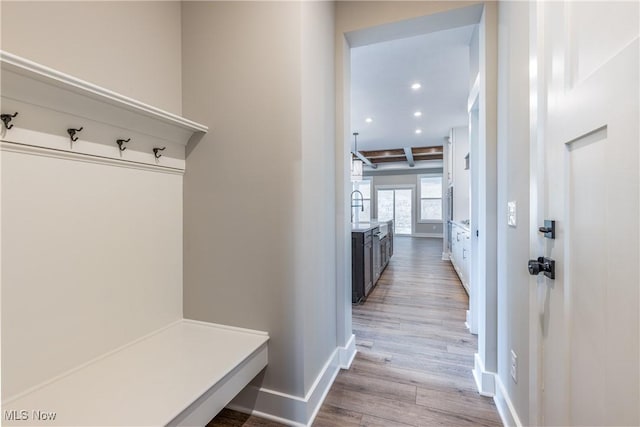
{"points": [[585, 137]]}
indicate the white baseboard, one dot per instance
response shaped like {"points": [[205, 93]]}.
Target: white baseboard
{"points": [[485, 381], [505, 407], [445, 256], [348, 353], [438, 235], [294, 410]]}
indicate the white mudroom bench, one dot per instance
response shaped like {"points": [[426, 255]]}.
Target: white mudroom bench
{"points": [[92, 332], [180, 375]]}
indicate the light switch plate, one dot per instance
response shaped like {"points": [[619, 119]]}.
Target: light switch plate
{"points": [[511, 214]]}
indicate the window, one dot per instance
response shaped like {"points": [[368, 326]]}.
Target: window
{"points": [[358, 214], [430, 197]]}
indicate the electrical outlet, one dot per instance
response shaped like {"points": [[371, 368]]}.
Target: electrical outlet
{"points": [[514, 366], [511, 214]]}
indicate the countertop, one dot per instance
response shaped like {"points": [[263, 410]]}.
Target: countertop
{"points": [[461, 225], [363, 227]]}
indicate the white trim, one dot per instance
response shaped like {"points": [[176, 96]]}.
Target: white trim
{"points": [[445, 255], [32, 150], [505, 407], [348, 353], [485, 381], [474, 93], [437, 235], [290, 409], [35, 71], [419, 220]]}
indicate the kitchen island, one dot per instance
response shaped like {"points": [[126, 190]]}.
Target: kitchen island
{"points": [[371, 249]]}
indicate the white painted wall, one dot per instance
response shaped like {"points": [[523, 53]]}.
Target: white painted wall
{"points": [[91, 259], [82, 242], [242, 189], [316, 272], [259, 192], [130, 47], [513, 185], [461, 177]]}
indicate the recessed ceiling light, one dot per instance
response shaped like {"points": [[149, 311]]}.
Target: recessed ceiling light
{"points": [[417, 113], [368, 120], [418, 131], [416, 86]]}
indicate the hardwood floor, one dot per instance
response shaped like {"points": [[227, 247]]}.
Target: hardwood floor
{"points": [[415, 355]]}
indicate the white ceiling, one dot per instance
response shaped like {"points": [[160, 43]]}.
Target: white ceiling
{"points": [[381, 79]]}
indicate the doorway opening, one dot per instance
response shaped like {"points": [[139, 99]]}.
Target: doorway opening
{"points": [[423, 144]]}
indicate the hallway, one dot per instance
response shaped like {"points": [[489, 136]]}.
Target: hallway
{"points": [[415, 355]]}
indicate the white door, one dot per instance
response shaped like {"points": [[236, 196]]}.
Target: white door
{"points": [[585, 161]]}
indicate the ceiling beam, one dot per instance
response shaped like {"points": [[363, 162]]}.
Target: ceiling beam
{"points": [[427, 150], [384, 153], [409, 154], [389, 160], [428, 157], [365, 160]]}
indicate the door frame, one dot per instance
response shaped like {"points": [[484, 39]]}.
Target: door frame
{"points": [[374, 25], [536, 206]]}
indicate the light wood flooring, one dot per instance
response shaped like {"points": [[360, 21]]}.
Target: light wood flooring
{"points": [[413, 366]]}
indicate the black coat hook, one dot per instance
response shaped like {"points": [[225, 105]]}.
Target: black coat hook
{"points": [[72, 133], [156, 152], [6, 119], [122, 141]]}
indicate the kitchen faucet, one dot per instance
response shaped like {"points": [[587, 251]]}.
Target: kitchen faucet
{"points": [[356, 205]]}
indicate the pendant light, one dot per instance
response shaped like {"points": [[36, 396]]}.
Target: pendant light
{"points": [[356, 164]]}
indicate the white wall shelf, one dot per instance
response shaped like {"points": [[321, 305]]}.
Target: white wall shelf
{"points": [[49, 101]]}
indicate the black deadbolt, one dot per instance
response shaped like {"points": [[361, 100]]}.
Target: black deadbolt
{"points": [[543, 265], [549, 229]]}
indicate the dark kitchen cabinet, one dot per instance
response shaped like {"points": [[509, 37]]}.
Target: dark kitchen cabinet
{"points": [[371, 250], [362, 265], [390, 234], [377, 265]]}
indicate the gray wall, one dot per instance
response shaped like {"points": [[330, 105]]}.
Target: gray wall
{"points": [[405, 179], [513, 185], [461, 176], [130, 47], [259, 204]]}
